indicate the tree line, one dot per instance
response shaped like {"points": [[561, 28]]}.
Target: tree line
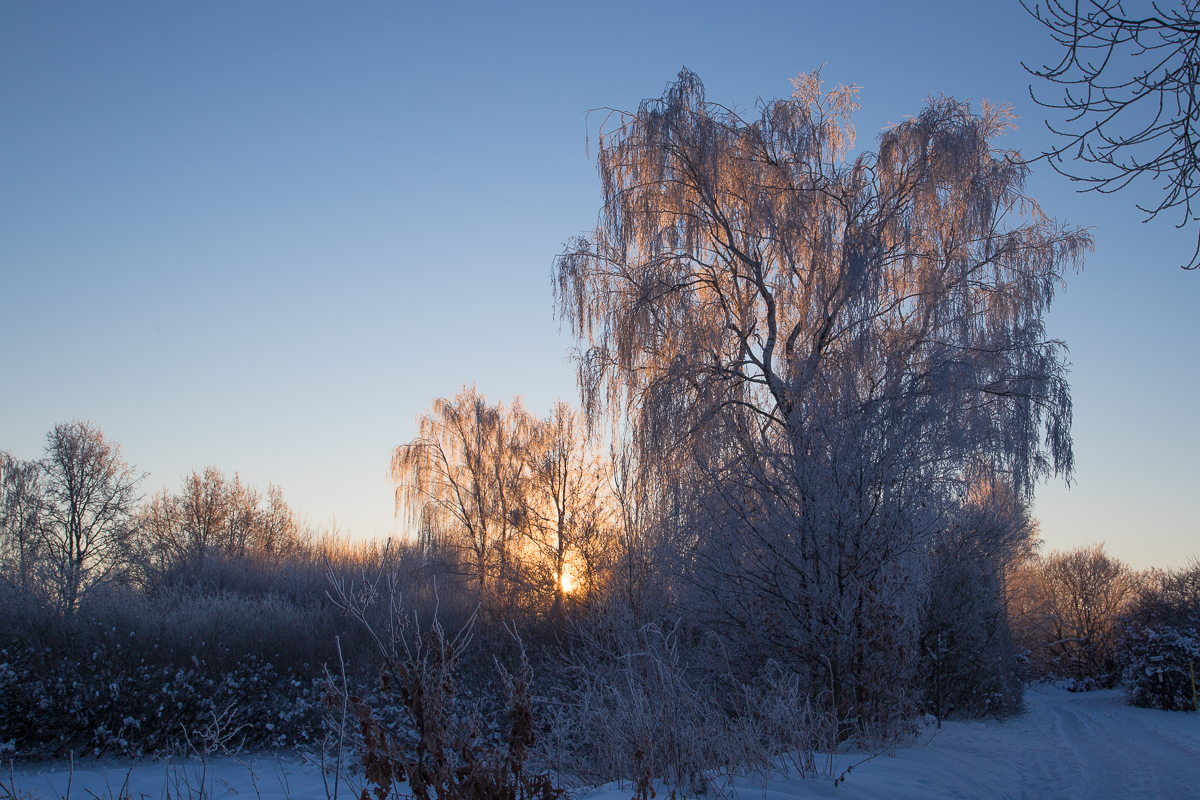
{"points": [[74, 522]]}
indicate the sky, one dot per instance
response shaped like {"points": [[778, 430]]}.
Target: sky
{"points": [[265, 236]]}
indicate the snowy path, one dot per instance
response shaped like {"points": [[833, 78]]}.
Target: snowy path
{"points": [[1090, 746], [1087, 746]]}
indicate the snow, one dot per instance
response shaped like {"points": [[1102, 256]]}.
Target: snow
{"points": [[260, 777], [1086, 745]]}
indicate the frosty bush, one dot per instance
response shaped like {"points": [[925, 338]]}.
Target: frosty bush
{"points": [[1160, 667], [51, 705], [636, 710], [1160, 645], [129, 675], [228, 653]]}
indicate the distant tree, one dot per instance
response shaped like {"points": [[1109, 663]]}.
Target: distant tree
{"points": [[458, 480], [1180, 588], [216, 515], [1130, 72], [1072, 608], [565, 519], [820, 349], [21, 509], [90, 496], [516, 502]]}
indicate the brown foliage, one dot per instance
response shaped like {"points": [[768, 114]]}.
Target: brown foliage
{"points": [[1067, 608], [216, 514], [439, 744]]}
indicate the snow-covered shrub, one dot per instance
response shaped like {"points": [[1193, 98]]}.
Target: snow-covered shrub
{"points": [[134, 674], [1159, 667], [1160, 646], [639, 709], [226, 653], [641, 720], [52, 704]]}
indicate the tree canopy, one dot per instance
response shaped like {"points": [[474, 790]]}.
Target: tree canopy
{"points": [[828, 354]]}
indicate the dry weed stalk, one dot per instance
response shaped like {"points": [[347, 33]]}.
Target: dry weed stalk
{"points": [[439, 746]]}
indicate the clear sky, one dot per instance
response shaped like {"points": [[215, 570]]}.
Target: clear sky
{"points": [[265, 236]]}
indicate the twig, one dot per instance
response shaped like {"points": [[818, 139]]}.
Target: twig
{"points": [[253, 778], [125, 784], [281, 775], [342, 725]]}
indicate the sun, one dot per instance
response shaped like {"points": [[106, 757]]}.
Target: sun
{"points": [[567, 581]]}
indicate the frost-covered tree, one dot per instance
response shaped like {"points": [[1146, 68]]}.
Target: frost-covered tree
{"points": [[822, 349], [970, 663], [458, 480], [216, 515], [90, 496], [1073, 602], [518, 502], [565, 513], [21, 509]]}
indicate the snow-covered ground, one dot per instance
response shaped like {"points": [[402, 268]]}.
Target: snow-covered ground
{"points": [[1090, 746]]}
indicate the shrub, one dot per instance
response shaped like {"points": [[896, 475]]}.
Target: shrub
{"points": [[1159, 667], [637, 710], [1160, 645], [421, 730]]}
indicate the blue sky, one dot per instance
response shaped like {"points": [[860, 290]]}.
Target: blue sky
{"points": [[265, 235]]}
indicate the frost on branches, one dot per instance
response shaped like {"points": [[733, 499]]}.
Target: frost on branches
{"points": [[820, 361]]}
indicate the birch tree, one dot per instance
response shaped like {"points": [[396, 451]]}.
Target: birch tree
{"points": [[564, 497], [824, 346], [458, 480], [88, 521], [213, 514], [21, 510]]}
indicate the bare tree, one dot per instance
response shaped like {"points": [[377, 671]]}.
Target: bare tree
{"points": [[214, 514], [21, 509], [1129, 81], [458, 480], [90, 499], [820, 349], [565, 517], [1081, 595], [519, 502]]}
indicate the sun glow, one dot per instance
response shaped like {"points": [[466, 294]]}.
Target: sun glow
{"points": [[567, 581]]}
